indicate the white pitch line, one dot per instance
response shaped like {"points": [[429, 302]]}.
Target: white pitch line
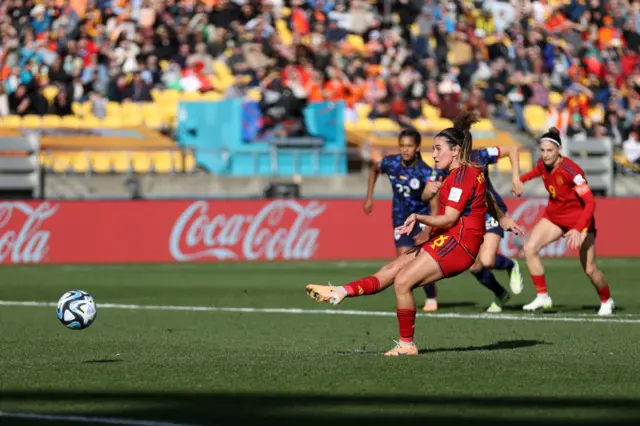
{"points": [[84, 419], [294, 311]]}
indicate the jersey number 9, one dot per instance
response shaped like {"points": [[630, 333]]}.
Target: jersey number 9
{"points": [[552, 191]]}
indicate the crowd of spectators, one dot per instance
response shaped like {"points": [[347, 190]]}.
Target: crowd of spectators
{"points": [[578, 59]]}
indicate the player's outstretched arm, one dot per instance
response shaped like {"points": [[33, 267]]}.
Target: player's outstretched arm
{"points": [[506, 222], [513, 153], [371, 183], [534, 173]]}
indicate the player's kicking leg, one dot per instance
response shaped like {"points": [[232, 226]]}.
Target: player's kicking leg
{"points": [[543, 233], [588, 262], [362, 287], [421, 270]]}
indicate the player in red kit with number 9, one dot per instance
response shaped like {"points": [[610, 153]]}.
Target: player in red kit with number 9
{"points": [[570, 214], [458, 230]]}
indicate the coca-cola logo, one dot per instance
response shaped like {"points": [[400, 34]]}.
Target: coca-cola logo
{"points": [[22, 239], [280, 230], [527, 215]]}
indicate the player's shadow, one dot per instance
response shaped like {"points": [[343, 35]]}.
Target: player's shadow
{"points": [[101, 361], [497, 346], [446, 305], [560, 309]]}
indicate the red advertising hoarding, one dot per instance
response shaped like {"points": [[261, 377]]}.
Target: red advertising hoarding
{"points": [[207, 231]]}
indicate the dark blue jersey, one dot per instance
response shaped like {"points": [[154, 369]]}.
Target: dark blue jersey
{"points": [[485, 157], [408, 183]]}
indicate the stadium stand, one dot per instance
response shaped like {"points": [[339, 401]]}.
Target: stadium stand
{"points": [[20, 171], [118, 64]]}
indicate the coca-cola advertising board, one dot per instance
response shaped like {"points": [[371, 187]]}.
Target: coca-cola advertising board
{"points": [[57, 232]]}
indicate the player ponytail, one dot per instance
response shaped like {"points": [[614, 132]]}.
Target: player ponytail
{"points": [[553, 136], [460, 135]]}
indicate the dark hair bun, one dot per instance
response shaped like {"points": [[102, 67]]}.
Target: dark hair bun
{"points": [[465, 120], [554, 131]]}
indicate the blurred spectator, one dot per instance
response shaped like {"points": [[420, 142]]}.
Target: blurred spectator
{"points": [[496, 56], [631, 148]]}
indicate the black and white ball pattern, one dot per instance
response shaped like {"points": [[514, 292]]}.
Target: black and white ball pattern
{"points": [[76, 309]]}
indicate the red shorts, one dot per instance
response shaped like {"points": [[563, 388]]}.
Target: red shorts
{"points": [[567, 223], [452, 258]]}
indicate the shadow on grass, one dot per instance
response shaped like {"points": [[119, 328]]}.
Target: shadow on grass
{"points": [[287, 409], [497, 346], [500, 345]]}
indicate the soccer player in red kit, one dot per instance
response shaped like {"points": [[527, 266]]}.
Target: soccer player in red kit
{"points": [[458, 229], [570, 214]]}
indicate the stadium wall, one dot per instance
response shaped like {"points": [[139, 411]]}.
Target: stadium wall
{"points": [[72, 232]]}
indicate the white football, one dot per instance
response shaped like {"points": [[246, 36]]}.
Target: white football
{"points": [[76, 310]]}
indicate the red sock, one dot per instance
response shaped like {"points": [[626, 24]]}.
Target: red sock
{"points": [[604, 293], [362, 287], [540, 283], [407, 323]]}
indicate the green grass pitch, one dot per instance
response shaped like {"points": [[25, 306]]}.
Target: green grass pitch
{"points": [[262, 365]]}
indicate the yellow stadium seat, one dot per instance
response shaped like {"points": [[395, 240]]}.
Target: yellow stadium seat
{"points": [[224, 75], [191, 96], [211, 96], [153, 121], [442, 123], [31, 122], [283, 32], [363, 125], [121, 161], [114, 109], [421, 125], [112, 122], [70, 122], [50, 92], [10, 122], [170, 95], [51, 121], [349, 125], [430, 112], [90, 122], [363, 110], [169, 113], [535, 118], [100, 162], [385, 125], [157, 94], [81, 108], [162, 162], [483, 126], [132, 120], [624, 162], [254, 94], [141, 162], [149, 109], [80, 162], [356, 41], [130, 108], [61, 162]]}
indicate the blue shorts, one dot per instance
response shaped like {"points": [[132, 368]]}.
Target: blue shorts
{"points": [[407, 240], [492, 226]]}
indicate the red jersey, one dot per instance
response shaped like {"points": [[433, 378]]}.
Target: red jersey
{"points": [[464, 189], [571, 204]]}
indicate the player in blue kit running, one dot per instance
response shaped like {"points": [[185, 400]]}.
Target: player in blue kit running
{"points": [[488, 257], [414, 185]]}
